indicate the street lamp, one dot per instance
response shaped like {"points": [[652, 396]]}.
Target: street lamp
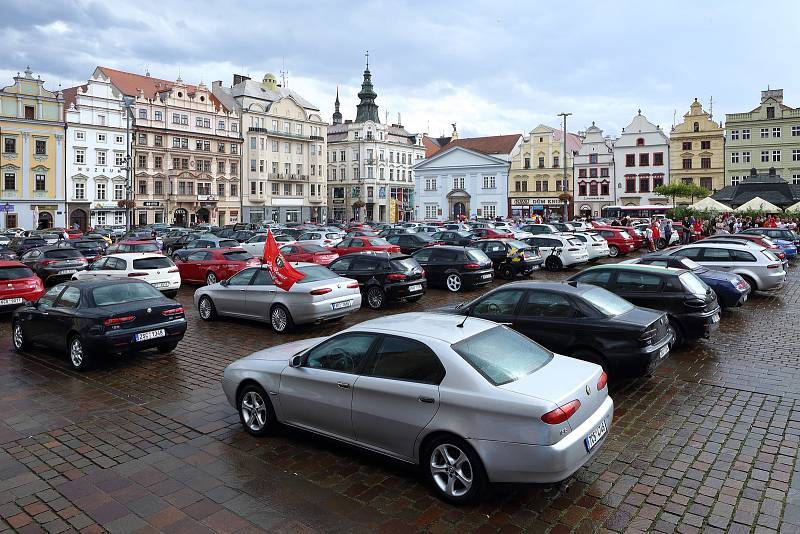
{"points": [[127, 104], [564, 186]]}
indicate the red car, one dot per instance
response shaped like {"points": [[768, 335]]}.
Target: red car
{"points": [[619, 241], [17, 285], [134, 246], [74, 234], [209, 266], [636, 235], [362, 244], [491, 233], [310, 253]]}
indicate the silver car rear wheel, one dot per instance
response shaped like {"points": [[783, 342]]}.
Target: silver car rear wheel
{"points": [[211, 279], [254, 411], [280, 319], [451, 470], [453, 282]]}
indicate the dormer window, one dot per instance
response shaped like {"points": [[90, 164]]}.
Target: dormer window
{"points": [[640, 141], [770, 112], [696, 126]]}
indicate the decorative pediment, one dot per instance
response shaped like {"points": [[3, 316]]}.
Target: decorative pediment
{"points": [[79, 178], [10, 167], [101, 178], [40, 168]]}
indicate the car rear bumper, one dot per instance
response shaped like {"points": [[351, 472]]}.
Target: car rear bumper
{"points": [[477, 278], [521, 463], [403, 291], [323, 310], [697, 325], [122, 340]]}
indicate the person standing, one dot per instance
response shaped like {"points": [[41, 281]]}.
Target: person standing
{"points": [[648, 237], [656, 234]]}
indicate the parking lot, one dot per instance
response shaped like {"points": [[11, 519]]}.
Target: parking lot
{"points": [[148, 442]]}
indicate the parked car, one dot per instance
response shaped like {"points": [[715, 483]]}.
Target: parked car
{"points": [[251, 294], [5, 239], [580, 320], [50, 238], [388, 232], [18, 285], [536, 229], [204, 241], [754, 241], [101, 237], [563, 227], [491, 233], [638, 236], [134, 246], [775, 233], [510, 257], [581, 226], [731, 289], [691, 305], [425, 229], [457, 227], [762, 270], [453, 237], [361, 244], [455, 268], [410, 243], [323, 239], [91, 250], [93, 318], [177, 239], [383, 276], [470, 401], [212, 265], [560, 251], [156, 269], [54, 264], [596, 246], [308, 253], [20, 245], [255, 245], [619, 241]]}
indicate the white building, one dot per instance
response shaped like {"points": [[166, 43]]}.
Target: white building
{"points": [[370, 175], [594, 173], [96, 150], [641, 163], [283, 155], [466, 178]]}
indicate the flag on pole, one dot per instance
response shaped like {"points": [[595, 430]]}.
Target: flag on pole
{"points": [[283, 274]]}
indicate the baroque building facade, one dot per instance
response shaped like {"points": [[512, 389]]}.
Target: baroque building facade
{"points": [[283, 153], [33, 193], [594, 173], [641, 163], [370, 175]]}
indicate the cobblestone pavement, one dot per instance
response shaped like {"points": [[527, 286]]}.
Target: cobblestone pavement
{"points": [[148, 443]]}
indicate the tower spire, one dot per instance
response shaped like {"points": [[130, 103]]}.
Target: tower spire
{"points": [[337, 116], [367, 109]]}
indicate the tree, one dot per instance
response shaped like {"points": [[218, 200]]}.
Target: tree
{"points": [[677, 189]]}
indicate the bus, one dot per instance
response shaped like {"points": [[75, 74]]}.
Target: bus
{"points": [[634, 212]]}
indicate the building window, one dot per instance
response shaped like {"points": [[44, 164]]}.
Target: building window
{"points": [[555, 162], [119, 191], [705, 163], [158, 187], [253, 165], [158, 162], [10, 181], [765, 156], [142, 113], [581, 173], [745, 133], [9, 145], [604, 172], [593, 158], [220, 190], [796, 179], [100, 191], [705, 145], [142, 161], [157, 115], [796, 131], [734, 135], [630, 184], [593, 188], [735, 180], [287, 189], [687, 163], [687, 181], [795, 154], [41, 182], [430, 184], [776, 155], [644, 184], [593, 173], [541, 162], [746, 157], [630, 160], [776, 131], [41, 147], [176, 118], [582, 189], [734, 157], [80, 156], [489, 182], [640, 141], [142, 187], [489, 211], [458, 182], [706, 182], [521, 185], [604, 188], [644, 160], [770, 112], [764, 133], [527, 163], [119, 159], [687, 145], [30, 112], [658, 159]]}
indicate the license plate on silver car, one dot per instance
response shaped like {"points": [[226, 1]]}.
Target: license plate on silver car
{"points": [[664, 351], [596, 435], [415, 287], [340, 305], [7, 302], [152, 334]]}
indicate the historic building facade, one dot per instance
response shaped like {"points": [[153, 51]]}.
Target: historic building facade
{"points": [[594, 173], [96, 153], [536, 177], [283, 153], [641, 163], [31, 155], [466, 178], [768, 137], [697, 151], [186, 161], [370, 175]]}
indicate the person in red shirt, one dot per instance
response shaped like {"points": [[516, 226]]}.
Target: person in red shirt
{"points": [[656, 236]]}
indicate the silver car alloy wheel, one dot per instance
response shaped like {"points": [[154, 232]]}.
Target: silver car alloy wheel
{"points": [[211, 278], [453, 282], [254, 411], [205, 308], [451, 470], [279, 319], [76, 352], [18, 336]]}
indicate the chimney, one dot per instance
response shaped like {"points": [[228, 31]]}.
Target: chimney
{"points": [[216, 85], [777, 94], [239, 78]]}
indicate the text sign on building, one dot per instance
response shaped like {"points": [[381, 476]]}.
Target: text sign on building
{"points": [[544, 201]]}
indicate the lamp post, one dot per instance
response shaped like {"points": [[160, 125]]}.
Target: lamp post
{"points": [[127, 103], [564, 186]]}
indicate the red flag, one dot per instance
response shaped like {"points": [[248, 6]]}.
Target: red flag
{"points": [[283, 274]]}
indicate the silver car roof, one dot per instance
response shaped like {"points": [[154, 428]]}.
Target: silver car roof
{"points": [[433, 325]]}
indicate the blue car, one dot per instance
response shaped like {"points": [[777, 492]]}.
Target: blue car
{"points": [[731, 289], [789, 248]]}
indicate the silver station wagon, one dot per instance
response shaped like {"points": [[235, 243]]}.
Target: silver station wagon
{"points": [[469, 400]]}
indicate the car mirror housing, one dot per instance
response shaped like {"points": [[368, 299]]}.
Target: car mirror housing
{"points": [[296, 361]]}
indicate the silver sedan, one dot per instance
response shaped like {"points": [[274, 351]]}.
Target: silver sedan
{"points": [[469, 400], [251, 294]]}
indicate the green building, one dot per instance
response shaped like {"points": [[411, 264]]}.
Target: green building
{"points": [[764, 139]]}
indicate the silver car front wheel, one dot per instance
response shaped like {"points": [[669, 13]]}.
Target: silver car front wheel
{"points": [[254, 411], [453, 282], [451, 470]]}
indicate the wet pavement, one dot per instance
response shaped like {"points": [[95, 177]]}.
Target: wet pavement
{"points": [[148, 443]]}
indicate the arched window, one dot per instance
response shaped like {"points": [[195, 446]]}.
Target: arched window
{"points": [[696, 126], [640, 141]]}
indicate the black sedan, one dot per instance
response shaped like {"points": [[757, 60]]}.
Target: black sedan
{"points": [[56, 263], [510, 257], [582, 321], [451, 237], [455, 268], [690, 304], [91, 250], [92, 318], [410, 243]]}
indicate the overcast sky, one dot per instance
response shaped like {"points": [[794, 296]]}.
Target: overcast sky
{"points": [[492, 67]]}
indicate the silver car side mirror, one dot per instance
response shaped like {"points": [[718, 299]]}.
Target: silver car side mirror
{"points": [[296, 361]]}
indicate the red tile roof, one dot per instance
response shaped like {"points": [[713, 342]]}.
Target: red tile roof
{"points": [[495, 144], [433, 144], [130, 84], [70, 95]]}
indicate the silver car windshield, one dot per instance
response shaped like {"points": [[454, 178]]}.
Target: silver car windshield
{"points": [[501, 355], [607, 302], [315, 273]]}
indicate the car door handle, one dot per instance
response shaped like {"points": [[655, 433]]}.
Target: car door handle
{"points": [[426, 400], [343, 385]]}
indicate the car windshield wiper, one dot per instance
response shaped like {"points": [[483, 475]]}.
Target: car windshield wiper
{"points": [[460, 305]]}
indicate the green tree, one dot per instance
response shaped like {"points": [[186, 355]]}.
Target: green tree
{"points": [[681, 190]]}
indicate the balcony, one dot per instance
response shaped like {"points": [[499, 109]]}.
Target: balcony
{"points": [[183, 197], [279, 133], [257, 197], [370, 161], [316, 137], [316, 200]]}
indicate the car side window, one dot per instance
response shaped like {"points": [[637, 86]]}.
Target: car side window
{"points": [[742, 255], [633, 281], [70, 298], [715, 254], [197, 256], [691, 253], [357, 243], [400, 358], [99, 265], [497, 247], [345, 243], [657, 263], [546, 304], [120, 264], [242, 278], [49, 298], [426, 255], [599, 278], [342, 265], [500, 303], [345, 353], [362, 264]]}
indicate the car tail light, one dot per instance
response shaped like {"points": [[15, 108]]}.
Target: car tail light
{"points": [[602, 381], [773, 266], [45, 263], [174, 270], [396, 276], [696, 303], [173, 311], [742, 284], [352, 285], [118, 320], [647, 336], [137, 274], [573, 249], [562, 413], [320, 291], [472, 266]]}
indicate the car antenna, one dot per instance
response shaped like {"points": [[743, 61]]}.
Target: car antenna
{"points": [[461, 324]]}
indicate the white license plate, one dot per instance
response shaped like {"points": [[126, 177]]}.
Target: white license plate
{"points": [[595, 435], [152, 334], [715, 318], [161, 284], [664, 351], [744, 298], [67, 271], [340, 305], [416, 287], [6, 302], [486, 276]]}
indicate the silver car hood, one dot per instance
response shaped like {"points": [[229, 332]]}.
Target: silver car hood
{"points": [[283, 352]]}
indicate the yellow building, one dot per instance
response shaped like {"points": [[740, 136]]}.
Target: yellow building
{"points": [[32, 192], [697, 151], [535, 179]]}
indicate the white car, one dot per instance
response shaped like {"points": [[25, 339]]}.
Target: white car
{"points": [[255, 245], [596, 246], [156, 269], [323, 239], [582, 226], [560, 251]]}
